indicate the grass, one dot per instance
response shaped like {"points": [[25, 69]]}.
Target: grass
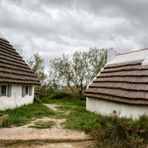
{"points": [[80, 119], [108, 131], [43, 124], [112, 131], [26, 113], [77, 118]]}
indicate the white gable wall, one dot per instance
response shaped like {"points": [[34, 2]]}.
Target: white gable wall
{"points": [[16, 99], [105, 107], [129, 57]]}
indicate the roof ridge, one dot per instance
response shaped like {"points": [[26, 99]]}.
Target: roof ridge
{"points": [[132, 51], [2, 37]]}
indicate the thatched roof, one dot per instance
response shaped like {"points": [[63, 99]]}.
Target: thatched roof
{"points": [[13, 68], [124, 79]]}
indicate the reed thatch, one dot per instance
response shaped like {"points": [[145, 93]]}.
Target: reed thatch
{"points": [[13, 68], [124, 82]]}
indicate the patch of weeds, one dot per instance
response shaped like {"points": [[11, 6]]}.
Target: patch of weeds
{"points": [[43, 124], [80, 119], [4, 122], [112, 131], [60, 95], [24, 114], [56, 96], [66, 101]]}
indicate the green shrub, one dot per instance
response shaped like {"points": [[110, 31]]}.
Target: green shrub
{"points": [[120, 132], [60, 95]]}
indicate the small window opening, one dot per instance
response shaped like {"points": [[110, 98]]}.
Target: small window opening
{"points": [[27, 90], [3, 90]]}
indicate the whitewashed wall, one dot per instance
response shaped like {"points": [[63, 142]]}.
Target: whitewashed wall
{"points": [[16, 99], [104, 107], [132, 56]]}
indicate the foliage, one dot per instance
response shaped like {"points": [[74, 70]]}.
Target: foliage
{"points": [[26, 113], [111, 131], [44, 90], [60, 95], [65, 99], [78, 71], [36, 63]]}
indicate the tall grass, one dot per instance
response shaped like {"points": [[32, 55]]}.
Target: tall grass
{"points": [[111, 131]]}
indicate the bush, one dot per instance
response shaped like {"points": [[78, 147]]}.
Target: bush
{"points": [[61, 95], [43, 91], [120, 132]]}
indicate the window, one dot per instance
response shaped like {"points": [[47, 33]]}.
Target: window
{"points": [[5, 90], [26, 90]]}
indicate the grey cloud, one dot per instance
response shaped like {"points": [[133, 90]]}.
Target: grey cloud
{"points": [[54, 27]]}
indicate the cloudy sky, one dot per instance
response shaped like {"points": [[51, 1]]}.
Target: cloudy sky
{"points": [[54, 27]]}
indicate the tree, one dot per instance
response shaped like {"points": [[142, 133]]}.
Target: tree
{"points": [[37, 65], [77, 72]]}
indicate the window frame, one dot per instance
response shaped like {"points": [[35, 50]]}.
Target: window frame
{"points": [[7, 90], [27, 90], [6, 87]]}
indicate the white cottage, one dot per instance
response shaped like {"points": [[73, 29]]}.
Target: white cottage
{"points": [[121, 87], [16, 78]]}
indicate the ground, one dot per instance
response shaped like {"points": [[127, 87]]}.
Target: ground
{"points": [[50, 130], [85, 144], [64, 123]]}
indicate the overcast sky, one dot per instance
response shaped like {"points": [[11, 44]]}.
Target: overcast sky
{"points": [[54, 27]]}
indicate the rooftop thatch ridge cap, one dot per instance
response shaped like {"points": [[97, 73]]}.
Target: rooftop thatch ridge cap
{"points": [[132, 51], [2, 37]]}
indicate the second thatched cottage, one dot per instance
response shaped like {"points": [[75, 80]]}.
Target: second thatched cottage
{"points": [[16, 78], [121, 87]]}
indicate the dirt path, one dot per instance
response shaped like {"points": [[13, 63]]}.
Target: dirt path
{"points": [[55, 137], [52, 106]]}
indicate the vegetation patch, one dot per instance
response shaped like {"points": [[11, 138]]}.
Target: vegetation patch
{"points": [[3, 120], [43, 124], [81, 119], [111, 131], [108, 131], [64, 101], [26, 113]]}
